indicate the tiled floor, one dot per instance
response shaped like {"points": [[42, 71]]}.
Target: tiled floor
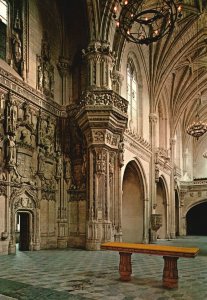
{"points": [[80, 274]]}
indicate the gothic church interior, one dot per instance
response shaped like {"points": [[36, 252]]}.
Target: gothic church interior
{"points": [[93, 128]]}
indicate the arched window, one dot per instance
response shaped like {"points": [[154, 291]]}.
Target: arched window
{"points": [[132, 96], [3, 27]]}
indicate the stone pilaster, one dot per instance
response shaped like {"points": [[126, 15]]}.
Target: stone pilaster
{"points": [[154, 171], [64, 69], [172, 190], [102, 118]]}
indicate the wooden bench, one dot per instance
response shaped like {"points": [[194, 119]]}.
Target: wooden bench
{"points": [[169, 253]]}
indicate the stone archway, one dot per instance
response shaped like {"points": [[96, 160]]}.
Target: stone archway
{"points": [[196, 220], [162, 208], [133, 204]]}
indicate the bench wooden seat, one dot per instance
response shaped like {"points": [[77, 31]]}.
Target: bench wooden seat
{"points": [[169, 253]]}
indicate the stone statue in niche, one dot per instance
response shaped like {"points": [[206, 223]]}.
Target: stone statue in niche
{"points": [[59, 165], [10, 116], [45, 70], [25, 136], [121, 153], [46, 135], [10, 151], [17, 62], [27, 114], [67, 171], [40, 77], [41, 161], [17, 47]]}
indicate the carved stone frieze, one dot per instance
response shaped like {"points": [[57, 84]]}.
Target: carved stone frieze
{"points": [[104, 98], [103, 136], [22, 89], [24, 202], [138, 139], [23, 197]]}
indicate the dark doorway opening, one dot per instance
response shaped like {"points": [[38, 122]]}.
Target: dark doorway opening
{"points": [[196, 220], [23, 231]]}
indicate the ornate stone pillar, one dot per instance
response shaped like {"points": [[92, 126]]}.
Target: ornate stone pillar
{"points": [[100, 60], [63, 67], [102, 118], [172, 191], [154, 171]]}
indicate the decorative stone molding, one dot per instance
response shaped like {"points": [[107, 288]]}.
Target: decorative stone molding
{"points": [[104, 98], [163, 154], [153, 118], [63, 66], [138, 139], [23, 197], [23, 90], [102, 136]]}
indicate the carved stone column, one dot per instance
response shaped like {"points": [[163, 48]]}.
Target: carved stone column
{"points": [[172, 191], [63, 67], [100, 61], [102, 118], [154, 171]]}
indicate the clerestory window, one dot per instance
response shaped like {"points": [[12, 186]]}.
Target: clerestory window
{"points": [[3, 27], [132, 96]]}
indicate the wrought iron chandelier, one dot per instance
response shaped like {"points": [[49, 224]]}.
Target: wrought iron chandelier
{"points": [[197, 128], [144, 21]]}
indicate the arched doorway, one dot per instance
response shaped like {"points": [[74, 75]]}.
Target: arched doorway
{"points": [[162, 208], [196, 220], [23, 230], [24, 222], [132, 205]]}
